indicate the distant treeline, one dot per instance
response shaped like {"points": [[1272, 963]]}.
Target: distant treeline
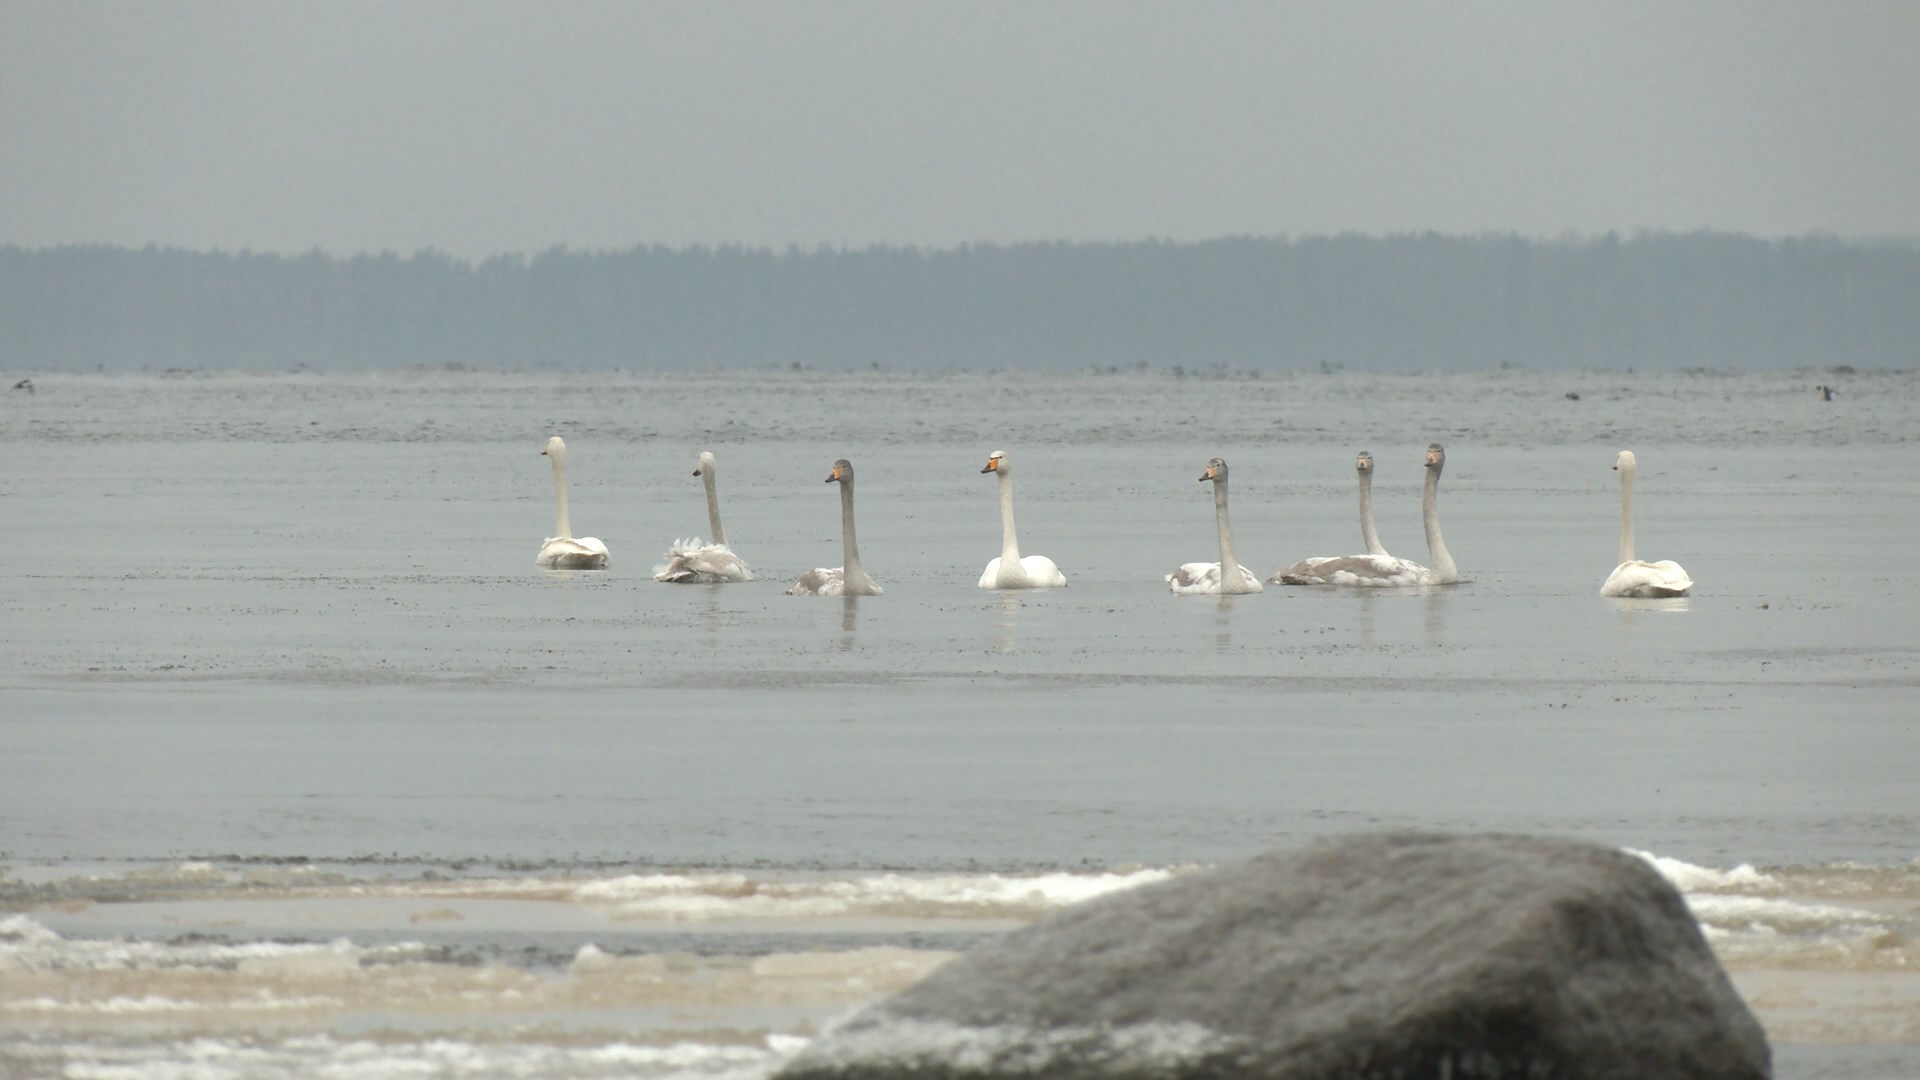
{"points": [[1426, 301]]}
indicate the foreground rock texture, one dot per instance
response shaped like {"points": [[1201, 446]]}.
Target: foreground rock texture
{"points": [[1381, 956]]}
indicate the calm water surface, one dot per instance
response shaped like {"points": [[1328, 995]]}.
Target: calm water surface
{"points": [[304, 767]]}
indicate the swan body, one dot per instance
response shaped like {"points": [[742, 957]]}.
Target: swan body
{"points": [[847, 579], [1634, 577], [693, 562], [1206, 579], [1358, 571], [1377, 569], [564, 551], [1010, 570]]}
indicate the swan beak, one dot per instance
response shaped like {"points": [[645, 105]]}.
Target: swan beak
{"points": [[696, 472], [991, 466], [832, 476], [1208, 475]]}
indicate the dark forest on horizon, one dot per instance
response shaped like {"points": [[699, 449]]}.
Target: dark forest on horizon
{"points": [[1656, 301]]}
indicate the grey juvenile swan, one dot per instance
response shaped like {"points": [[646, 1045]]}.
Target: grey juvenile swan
{"points": [[849, 579]]}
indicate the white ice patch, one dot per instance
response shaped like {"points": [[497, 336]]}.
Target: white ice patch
{"points": [[1689, 878], [151, 1003], [738, 896], [326, 1056], [27, 946], [1751, 917], [1779, 916]]}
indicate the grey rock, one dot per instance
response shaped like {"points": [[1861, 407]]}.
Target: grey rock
{"points": [[1383, 956]]}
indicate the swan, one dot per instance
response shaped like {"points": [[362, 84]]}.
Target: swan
{"points": [[1205, 578], [848, 579], [1363, 467], [692, 562], [1633, 577], [1010, 571], [1377, 569], [563, 551]]}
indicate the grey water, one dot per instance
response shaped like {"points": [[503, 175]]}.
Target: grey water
{"points": [[256, 622]]}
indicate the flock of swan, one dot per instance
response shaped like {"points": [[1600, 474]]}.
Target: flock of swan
{"points": [[712, 561]]}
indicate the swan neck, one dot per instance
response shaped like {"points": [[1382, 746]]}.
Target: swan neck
{"points": [[1626, 514], [1367, 534], [561, 528], [1443, 568], [1229, 566], [851, 554], [1009, 542], [713, 507]]}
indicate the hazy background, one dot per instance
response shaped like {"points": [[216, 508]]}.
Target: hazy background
{"points": [[479, 128], [587, 185]]}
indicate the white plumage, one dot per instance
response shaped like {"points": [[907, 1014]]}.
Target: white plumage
{"points": [[1009, 570], [696, 562], [1634, 577], [564, 551]]}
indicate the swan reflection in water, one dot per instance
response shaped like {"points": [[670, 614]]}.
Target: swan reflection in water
{"points": [[1223, 624], [849, 621], [1006, 623], [1435, 622]]}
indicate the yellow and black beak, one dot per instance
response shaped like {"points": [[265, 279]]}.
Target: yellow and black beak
{"points": [[1208, 475], [832, 476], [993, 465]]}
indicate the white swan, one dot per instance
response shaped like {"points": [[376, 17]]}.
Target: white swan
{"points": [[1633, 577], [1378, 569], [563, 551], [692, 562], [847, 579], [1205, 578], [1010, 571]]}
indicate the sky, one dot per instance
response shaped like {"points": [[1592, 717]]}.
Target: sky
{"points": [[478, 128]]}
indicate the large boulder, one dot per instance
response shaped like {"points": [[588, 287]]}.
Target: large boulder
{"points": [[1399, 955]]}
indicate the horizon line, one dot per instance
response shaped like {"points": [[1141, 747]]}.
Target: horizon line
{"points": [[1570, 237]]}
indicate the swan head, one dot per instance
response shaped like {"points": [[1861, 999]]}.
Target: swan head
{"points": [[1436, 457], [556, 448], [1216, 470], [842, 471], [1364, 462], [996, 462], [1625, 462], [706, 463]]}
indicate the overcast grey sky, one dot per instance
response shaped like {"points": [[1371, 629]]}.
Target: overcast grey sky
{"points": [[478, 127]]}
